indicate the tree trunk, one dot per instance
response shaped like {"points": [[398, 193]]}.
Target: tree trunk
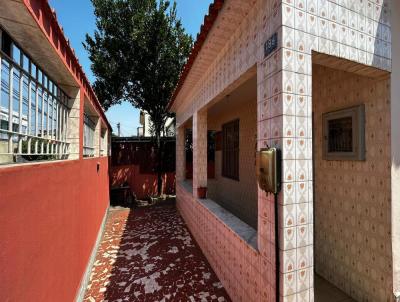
{"points": [[159, 165]]}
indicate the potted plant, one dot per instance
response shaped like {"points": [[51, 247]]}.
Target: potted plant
{"points": [[202, 192]]}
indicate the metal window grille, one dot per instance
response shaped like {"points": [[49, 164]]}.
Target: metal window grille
{"points": [[89, 128], [33, 109], [230, 150], [103, 143]]}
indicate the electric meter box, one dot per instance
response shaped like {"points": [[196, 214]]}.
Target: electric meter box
{"points": [[269, 162]]}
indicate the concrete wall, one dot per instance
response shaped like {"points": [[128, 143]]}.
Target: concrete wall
{"points": [[50, 218], [352, 198], [239, 197]]}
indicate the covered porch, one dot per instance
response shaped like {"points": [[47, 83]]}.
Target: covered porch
{"points": [[219, 152]]}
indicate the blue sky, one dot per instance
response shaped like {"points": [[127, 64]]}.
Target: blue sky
{"points": [[77, 19]]}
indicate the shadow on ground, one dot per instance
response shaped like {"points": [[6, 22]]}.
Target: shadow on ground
{"points": [[148, 254]]}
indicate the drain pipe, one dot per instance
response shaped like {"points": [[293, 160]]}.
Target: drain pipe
{"points": [[269, 166], [277, 256]]}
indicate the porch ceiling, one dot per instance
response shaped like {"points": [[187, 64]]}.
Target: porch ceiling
{"points": [[229, 19], [246, 92], [347, 65], [19, 23]]}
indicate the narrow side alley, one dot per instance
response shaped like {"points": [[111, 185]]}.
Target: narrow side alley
{"points": [[148, 254]]}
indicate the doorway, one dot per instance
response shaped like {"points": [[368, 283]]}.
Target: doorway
{"points": [[352, 242]]}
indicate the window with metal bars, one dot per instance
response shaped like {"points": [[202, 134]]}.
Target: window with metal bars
{"points": [[103, 143], [89, 128], [230, 150], [33, 109]]}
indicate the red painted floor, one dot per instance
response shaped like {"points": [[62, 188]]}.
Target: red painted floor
{"points": [[149, 255]]}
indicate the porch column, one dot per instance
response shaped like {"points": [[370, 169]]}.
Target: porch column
{"points": [[180, 154], [199, 150], [74, 129], [285, 122]]}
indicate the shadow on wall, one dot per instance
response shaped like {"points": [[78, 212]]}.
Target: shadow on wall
{"points": [[142, 185], [382, 35]]}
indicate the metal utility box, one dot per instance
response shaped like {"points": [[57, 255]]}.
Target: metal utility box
{"points": [[269, 170]]}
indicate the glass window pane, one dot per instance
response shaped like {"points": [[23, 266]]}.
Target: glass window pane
{"points": [[25, 63], [45, 82], [55, 121], [4, 97], [25, 96], [45, 108], [33, 70], [16, 91], [16, 54], [50, 100], [40, 105], [33, 109], [5, 84], [6, 43], [88, 136], [340, 133], [40, 76], [51, 87], [50, 113]]}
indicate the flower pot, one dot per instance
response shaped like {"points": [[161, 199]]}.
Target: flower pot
{"points": [[202, 193]]}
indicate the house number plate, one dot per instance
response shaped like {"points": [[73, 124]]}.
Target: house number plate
{"points": [[271, 45]]}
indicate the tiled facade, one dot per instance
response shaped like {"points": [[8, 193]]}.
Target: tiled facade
{"points": [[245, 273], [352, 199], [199, 153], [355, 31]]}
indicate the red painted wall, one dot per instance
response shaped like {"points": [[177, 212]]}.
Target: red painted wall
{"points": [[142, 185], [51, 213], [49, 220]]}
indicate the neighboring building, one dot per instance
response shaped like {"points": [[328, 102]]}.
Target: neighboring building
{"points": [[319, 80], [54, 148], [145, 130]]}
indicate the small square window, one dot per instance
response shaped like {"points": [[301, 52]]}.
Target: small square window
{"points": [[344, 134]]}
